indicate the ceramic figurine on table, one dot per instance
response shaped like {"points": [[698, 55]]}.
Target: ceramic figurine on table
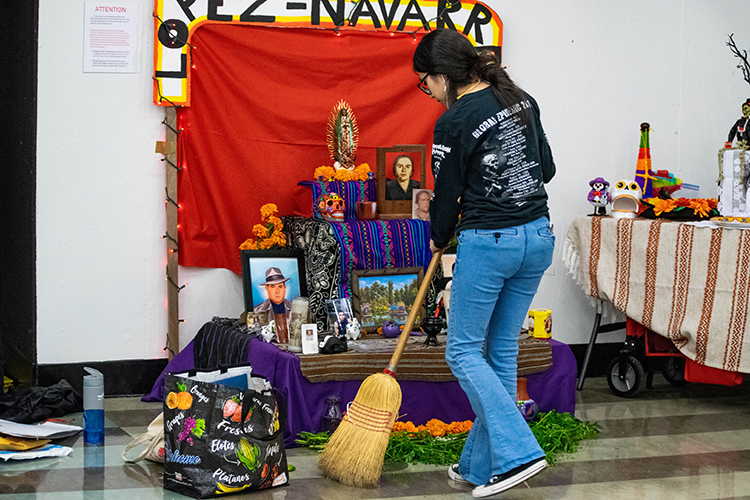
{"points": [[599, 195], [353, 329], [740, 129], [268, 332], [626, 199]]}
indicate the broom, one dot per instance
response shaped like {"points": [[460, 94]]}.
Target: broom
{"points": [[354, 455]]}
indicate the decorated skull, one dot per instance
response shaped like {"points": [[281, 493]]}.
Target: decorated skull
{"points": [[331, 207], [625, 199]]}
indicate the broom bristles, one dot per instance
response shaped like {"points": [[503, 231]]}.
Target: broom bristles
{"points": [[354, 455]]}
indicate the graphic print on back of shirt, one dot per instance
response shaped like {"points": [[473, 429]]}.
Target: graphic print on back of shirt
{"points": [[506, 170]]}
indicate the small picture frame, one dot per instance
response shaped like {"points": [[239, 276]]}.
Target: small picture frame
{"points": [[256, 321], [394, 191], [266, 272], [339, 316], [372, 287], [420, 204], [309, 338]]}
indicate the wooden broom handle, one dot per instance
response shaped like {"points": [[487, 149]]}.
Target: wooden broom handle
{"points": [[391, 370]]}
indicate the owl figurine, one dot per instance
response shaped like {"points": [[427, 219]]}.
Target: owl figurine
{"points": [[626, 199], [599, 196]]}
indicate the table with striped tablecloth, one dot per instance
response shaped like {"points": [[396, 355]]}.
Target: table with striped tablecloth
{"points": [[688, 283]]}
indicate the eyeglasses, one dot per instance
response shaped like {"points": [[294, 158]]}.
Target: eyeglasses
{"points": [[422, 85]]}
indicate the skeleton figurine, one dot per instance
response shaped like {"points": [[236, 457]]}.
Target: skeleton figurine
{"points": [[740, 129], [599, 195]]}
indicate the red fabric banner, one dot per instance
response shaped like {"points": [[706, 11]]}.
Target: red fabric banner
{"points": [[261, 98]]}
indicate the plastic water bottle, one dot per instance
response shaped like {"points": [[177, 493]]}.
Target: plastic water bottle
{"points": [[93, 407]]}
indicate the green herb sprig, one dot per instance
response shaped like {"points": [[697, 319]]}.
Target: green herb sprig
{"points": [[560, 433]]}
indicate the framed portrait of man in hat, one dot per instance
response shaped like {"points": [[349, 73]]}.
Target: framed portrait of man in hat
{"points": [[272, 279]]}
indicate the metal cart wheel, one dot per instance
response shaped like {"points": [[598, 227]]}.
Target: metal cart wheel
{"points": [[625, 376], [674, 370]]}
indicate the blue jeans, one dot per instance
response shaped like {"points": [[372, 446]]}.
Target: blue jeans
{"points": [[496, 276]]}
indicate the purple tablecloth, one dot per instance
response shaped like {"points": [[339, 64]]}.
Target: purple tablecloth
{"points": [[421, 401]]}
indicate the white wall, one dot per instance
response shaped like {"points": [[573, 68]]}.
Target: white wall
{"points": [[597, 68]]}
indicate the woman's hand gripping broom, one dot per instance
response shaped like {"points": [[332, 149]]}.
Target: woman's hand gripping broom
{"points": [[354, 454]]}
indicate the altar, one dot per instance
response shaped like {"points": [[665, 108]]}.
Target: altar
{"points": [[422, 400]]}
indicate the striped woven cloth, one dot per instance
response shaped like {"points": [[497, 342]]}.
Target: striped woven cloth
{"points": [[418, 362], [380, 244], [690, 284]]}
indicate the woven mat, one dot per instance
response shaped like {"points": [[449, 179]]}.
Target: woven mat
{"points": [[418, 362]]}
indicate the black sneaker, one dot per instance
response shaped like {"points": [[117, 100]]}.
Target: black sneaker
{"points": [[455, 475], [502, 482]]}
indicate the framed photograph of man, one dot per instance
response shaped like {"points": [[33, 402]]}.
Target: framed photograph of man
{"points": [[420, 204], [339, 316], [379, 295], [400, 170], [271, 279]]}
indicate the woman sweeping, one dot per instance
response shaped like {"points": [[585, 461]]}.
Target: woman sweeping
{"points": [[490, 161]]}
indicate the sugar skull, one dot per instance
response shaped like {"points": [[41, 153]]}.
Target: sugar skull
{"points": [[331, 207], [625, 199]]}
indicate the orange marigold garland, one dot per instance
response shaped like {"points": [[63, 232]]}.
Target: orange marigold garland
{"points": [[269, 234], [361, 172], [435, 427], [679, 208]]}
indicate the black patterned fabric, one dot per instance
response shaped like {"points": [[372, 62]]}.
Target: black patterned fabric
{"points": [[322, 262]]}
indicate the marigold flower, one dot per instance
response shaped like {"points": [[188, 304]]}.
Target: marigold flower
{"points": [[342, 174], [360, 172], [276, 222], [435, 427], [269, 234], [699, 207], [661, 206], [325, 172], [267, 210]]}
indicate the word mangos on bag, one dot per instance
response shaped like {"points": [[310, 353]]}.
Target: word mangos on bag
{"points": [[221, 433]]}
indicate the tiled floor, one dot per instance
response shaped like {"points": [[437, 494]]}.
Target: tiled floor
{"points": [[681, 443]]}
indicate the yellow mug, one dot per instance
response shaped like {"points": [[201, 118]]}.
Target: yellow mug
{"points": [[540, 323]]}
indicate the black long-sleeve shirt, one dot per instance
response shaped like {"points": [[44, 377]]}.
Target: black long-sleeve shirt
{"points": [[489, 166]]}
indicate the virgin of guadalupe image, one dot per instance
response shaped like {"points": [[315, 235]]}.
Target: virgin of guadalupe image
{"points": [[400, 188]]}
